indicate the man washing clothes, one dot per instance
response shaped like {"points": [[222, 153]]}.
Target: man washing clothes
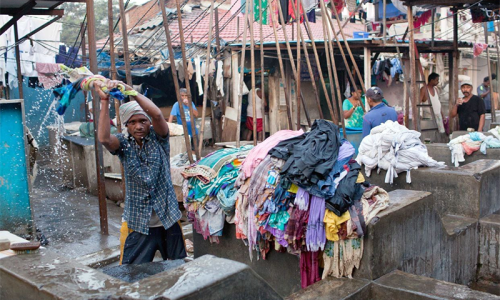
{"points": [[379, 112], [470, 109], [151, 211]]}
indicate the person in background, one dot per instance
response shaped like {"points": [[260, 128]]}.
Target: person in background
{"points": [[379, 112], [353, 111], [151, 214], [175, 112], [431, 89], [258, 108], [470, 109], [484, 91]]}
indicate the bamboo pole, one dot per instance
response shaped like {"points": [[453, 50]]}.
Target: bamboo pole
{"points": [[175, 79], [197, 149], [384, 21], [242, 74], [207, 72], [113, 77], [339, 45], [18, 62], [318, 63], [84, 63], [292, 63], [328, 59], [262, 73], [335, 73], [360, 77], [101, 189], [297, 80], [251, 20], [126, 57], [493, 114], [413, 72], [497, 42]]}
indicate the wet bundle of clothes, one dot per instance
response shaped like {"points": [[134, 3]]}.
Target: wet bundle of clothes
{"points": [[305, 195], [393, 147], [472, 142]]}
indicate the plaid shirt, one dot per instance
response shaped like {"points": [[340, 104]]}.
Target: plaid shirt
{"points": [[148, 184]]}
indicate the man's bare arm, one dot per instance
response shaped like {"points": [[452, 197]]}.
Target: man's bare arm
{"points": [[104, 135]]}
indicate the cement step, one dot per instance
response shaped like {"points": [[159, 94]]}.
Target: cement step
{"points": [[409, 235], [489, 249], [47, 275], [441, 152], [400, 285], [335, 289], [396, 285], [470, 190]]}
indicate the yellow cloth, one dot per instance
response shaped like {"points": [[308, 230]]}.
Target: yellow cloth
{"points": [[332, 224], [124, 232], [360, 179], [293, 189]]}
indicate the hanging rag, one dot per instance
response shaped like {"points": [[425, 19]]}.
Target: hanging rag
{"points": [[48, 74], [190, 70], [65, 94], [197, 65], [219, 79], [479, 48]]}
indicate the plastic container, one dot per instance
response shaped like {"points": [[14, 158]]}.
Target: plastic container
{"points": [[354, 136], [360, 35]]}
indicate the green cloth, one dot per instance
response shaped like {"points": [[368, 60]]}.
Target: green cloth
{"points": [[256, 8], [356, 119]]}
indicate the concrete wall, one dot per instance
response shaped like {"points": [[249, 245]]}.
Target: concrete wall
{"points": [[37, 102]]}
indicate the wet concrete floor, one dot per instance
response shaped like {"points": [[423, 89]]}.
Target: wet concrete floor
{"points": [[69, 218]]}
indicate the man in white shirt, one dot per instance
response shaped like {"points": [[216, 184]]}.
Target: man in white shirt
{"points": [[249, 122], [431, 89]]}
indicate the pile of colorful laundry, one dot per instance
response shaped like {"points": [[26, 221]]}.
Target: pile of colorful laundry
{"points": [[471, 142], [301, 193], [393, 147], [209, 192]]}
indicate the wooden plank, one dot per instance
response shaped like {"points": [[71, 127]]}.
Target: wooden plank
{"points": [[126, 56]]}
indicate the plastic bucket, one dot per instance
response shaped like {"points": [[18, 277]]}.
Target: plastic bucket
{"points": [[354, 136]]}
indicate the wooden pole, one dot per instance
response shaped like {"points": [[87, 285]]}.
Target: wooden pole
{"points": [[334, 71], [497, 42], [318, 63], [18, 62], [413, 72], [360, 76], [197, 149], [252, 70], [292, 63], [175, 79], [493, 114], [242, 74], [328, 53], [453, 91], [96, 104], [113, 76], [262, 86], [84, 63], [384, 21], [217, 36], [433, 27], [126, 57], [207, 72], [297, 80], [349, 73]]}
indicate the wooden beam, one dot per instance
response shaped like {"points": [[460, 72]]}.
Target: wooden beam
{"points": [[384, 21], [493, 114], [96, 105], [453, 72], [241, 74], [18, 62], [262, 85], [56, 5], [251, 20], [126, 57], [18, 15], [34, 12], [207, 73], [298, 92], [174, 78], [413, 73], [197, 150]]}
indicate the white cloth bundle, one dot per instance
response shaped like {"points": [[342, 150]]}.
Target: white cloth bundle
{"points": [[394, 148]]}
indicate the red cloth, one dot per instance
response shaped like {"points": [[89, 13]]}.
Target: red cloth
{"points": [[249, 124], [309, 268]]}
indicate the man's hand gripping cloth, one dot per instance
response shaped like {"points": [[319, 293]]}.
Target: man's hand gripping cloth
{"points": [[395, 148]]}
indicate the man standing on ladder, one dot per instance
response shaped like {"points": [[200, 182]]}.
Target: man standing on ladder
{"points": [[151, 215], [430, 90]]}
